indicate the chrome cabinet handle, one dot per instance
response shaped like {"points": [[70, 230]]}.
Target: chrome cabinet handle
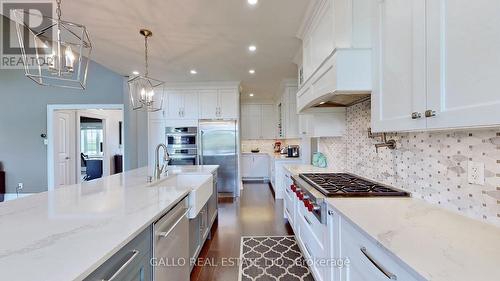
{"points": [[416, 115], [382, 269], [307, 250], [430, 113], [132, 257], [164, 234], [308, 221], [201, 147]]}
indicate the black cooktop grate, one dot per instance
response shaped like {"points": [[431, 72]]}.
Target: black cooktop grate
{"points": [[347, 185]]}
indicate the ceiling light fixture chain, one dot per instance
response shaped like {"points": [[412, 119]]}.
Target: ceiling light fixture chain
{"points": [[58, 10], [146, 54], [146, 93]]}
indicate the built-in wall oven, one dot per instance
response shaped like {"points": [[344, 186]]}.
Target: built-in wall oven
{"points": [[182, 145]]}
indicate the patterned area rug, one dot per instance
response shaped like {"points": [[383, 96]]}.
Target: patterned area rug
{"points": [[272, 258]]}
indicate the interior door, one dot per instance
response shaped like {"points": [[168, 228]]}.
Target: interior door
{"points": [[228, 103], [399, 66], [463, 63], [208, 104], [64, 148]]}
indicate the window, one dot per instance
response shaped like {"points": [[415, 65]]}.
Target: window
{"points": [[91, 140]]}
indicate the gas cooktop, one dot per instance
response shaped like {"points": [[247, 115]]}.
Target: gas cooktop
{"points": [[347, 185]]}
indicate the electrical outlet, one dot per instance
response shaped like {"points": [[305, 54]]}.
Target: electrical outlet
{"points": [[20, 186], [476, 172]]}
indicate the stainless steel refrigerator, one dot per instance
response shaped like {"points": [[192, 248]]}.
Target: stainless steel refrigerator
{"points": [[219, 146]]}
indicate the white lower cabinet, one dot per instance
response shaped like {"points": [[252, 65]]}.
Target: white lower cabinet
{"points": [[254, 166], [283, 178], [313, 240], [369, 261]]}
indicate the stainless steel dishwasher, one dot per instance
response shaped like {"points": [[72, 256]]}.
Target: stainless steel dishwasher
{"points": [[171, 244]]}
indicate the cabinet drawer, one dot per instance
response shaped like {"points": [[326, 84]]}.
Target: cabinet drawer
{"points": [[130, 262], [318, 231], [313, 248], [289, 207], [370, 261]]}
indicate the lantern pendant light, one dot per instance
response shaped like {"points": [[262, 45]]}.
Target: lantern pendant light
{"points": [[56, 54], [146, 94]]}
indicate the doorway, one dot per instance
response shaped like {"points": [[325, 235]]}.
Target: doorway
{"points": [[85, 142], [91, 148]]}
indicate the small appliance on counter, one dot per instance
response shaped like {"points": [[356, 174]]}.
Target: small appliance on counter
{"points": [[284, 150], [277, 147], [255, 150], [319, 160], [293, 151]]}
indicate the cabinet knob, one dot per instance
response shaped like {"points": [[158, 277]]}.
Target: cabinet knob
{"points": [[416, 115], [430, 113]]}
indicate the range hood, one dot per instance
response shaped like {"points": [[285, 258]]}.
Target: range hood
{"points": [[343, 79]]}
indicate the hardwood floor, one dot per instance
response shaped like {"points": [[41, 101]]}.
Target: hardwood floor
{"points": [[254, 213]]}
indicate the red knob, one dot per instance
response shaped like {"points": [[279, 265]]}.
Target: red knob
{"points": [[301, 195], [293, 188], [310, 207], [307, 203]]}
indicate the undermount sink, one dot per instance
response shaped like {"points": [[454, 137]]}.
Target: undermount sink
{"points": [[201, 189]]}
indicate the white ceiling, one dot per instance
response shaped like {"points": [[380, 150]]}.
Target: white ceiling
{"points": [[211, 36]]}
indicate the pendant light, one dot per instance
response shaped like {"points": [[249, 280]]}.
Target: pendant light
{"points": [[146, 94], [55, 54]]}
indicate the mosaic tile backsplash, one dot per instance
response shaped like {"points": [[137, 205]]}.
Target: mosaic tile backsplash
{"points": [[431, 165], [265, 146]]}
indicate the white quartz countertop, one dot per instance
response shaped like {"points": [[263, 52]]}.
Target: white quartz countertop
{"points": [[304, 168], [67, 233], [275, 156], [438, 244]]}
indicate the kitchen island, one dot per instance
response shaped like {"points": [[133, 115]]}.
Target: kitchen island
{"points": [[67, 233]]}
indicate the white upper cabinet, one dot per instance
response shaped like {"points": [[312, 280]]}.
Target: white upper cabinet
{"points": [[219, 104], [228, 103], [258, 121], [399, 65], [182, 104], [251, 121], [160, 114], [463, 43], [268, 122], [436, 65], [209, 104], [336, 53], [291, 120]]}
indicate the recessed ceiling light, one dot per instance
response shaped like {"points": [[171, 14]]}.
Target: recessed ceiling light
{"points": [[135, 72], [251, 94], [193, 71], [251, 71], [252, 48], [252, 2]]}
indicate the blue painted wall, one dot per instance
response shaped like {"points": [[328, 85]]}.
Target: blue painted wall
{"points": [[23, 117]]}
